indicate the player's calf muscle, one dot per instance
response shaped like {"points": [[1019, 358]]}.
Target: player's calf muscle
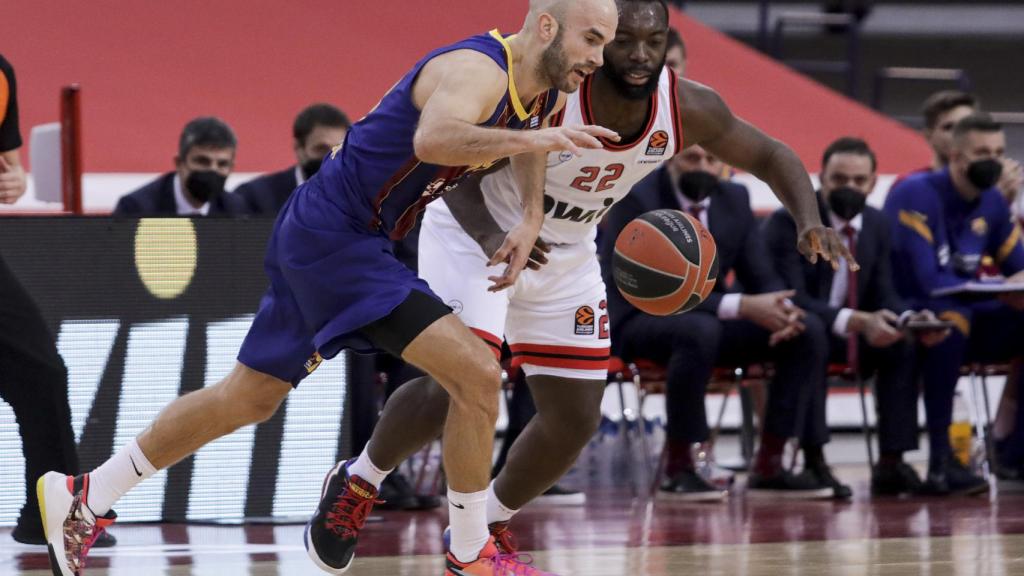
{"points": [[194, 420]]}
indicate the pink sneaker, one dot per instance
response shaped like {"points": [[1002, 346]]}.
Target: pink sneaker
{"points": [[70, 526], [491, 562]]}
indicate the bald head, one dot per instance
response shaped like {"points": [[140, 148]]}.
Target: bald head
{"points": [[554, 7], [570, 36], [599, 11]]}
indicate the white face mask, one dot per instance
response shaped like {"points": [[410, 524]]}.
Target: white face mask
{"points": [[1018, 205]]}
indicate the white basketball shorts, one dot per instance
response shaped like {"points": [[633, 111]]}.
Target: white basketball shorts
{"points": [[555, 319]]}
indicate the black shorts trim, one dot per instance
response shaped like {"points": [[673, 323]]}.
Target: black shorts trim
{"points": [[394, 332]]}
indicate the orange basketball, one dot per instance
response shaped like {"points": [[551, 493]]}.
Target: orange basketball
{"points": [[665, 262]]}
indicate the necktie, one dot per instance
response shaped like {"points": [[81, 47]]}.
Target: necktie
{"points": [[851, 294]]}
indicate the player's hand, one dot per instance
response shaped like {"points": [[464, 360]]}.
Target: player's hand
{"points": [[929, 338], [491, 243], [1012, 179], [773, 312], [878, 328], [515, 250], [12, 182], [825, 242], [574, 139]]}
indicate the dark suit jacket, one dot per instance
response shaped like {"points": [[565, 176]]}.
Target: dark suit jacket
{"points": [[813, 282], [157, 199], [267, 194], [730, 221]]}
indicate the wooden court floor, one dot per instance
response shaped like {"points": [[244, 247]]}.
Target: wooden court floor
{"points": [[615, 534]]}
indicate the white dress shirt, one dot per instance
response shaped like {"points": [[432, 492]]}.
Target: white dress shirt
{"points": [[837, 297]]}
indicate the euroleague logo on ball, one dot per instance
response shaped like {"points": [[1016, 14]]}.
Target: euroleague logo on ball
{"points": [[665, 262], [658, 143]]}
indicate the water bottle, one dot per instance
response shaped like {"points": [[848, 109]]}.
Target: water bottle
{"points": [[960, 431]]}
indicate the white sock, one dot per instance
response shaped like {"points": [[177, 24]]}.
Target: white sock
{"points": [[496, 511], [367, 470], [113, 479], [467, 516]]}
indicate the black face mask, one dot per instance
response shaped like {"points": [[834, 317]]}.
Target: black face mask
{"points": [[311, 167], [206, 185], [847, 202], [984, 174], [698, 185]]}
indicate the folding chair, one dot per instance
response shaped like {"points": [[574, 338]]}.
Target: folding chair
{"points": [[977, 375]]}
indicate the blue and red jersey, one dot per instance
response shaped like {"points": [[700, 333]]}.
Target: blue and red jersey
{"points": [[940, 239], [376, 178]]}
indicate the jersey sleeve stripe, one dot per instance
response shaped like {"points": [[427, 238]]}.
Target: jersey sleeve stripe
{"points": [[588, 118], [390, 185], [513, 93], [677, 113], [916, 223], [1011, 242]]}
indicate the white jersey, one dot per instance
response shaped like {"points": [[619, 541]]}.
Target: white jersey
{"points": [[555, 319], [580, 189]]}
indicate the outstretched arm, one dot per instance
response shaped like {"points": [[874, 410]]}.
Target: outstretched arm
{"points": [[461, 90], [710, 123], [529, 171]]}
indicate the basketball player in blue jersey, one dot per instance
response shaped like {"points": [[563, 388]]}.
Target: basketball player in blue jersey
{"points": [[554, 317], [335, 283]]}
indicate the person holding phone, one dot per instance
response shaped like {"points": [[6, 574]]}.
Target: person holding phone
{"points": [[867, 323], [945, 225]]}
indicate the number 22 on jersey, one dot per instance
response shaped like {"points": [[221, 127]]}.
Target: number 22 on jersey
{"points": [[584, 182]]}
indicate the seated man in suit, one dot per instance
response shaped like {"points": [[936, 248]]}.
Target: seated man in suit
{"points": [[728, 329], [206, 155], [317, 130], [872, 311], [944, 224]]}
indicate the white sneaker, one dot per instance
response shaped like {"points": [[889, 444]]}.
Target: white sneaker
{"points": [[70, 526]]}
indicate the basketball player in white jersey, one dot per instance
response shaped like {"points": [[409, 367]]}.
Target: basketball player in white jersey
{"points": [[553, 317]]}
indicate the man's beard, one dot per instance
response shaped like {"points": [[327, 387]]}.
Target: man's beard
{"points": [[555, 66], [631, 91]]}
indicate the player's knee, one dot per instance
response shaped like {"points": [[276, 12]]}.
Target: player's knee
{"points": [[484, 371], [477, 386], [258, 410], [579, 420], [436, 397], [251, 400]]}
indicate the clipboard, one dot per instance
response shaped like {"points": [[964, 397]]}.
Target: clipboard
{"points": [[980, 289]]}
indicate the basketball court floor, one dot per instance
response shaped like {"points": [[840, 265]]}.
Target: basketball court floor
{"points": [[617, 533]]}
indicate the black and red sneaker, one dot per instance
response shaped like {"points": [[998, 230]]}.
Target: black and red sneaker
{"points": [[332, 533], [504, 539]]}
